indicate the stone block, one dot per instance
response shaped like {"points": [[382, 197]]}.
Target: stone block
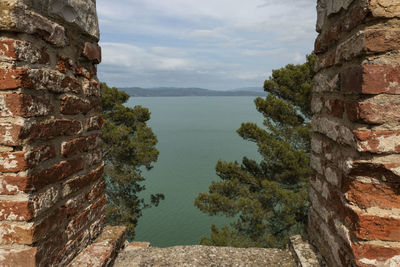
{"points": [[80, 145], [76, 183], [18, 256], [81, 13], [103, 250]]}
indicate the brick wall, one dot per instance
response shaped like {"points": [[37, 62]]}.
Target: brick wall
{"points": [[52, 195], [354, 217]]}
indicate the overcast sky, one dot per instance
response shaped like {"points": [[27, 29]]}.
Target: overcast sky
{"points": [[215, 44]]}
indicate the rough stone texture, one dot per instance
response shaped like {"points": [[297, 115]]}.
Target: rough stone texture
{"points": [[136, 245], [306, 255], [79, 12], [103, 251], [198, 256], [51, 189], [354, 215]]}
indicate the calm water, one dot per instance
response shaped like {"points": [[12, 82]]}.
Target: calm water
{"points": [[193, 133]]}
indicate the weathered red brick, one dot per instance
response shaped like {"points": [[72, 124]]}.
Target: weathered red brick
{"points": [[80, 145], [97, 226], [71, 249], [382, 40], [18, 256], [371, 79], [40, 154], [75, 204], [20, 50], [368, 41], [10, 134], [92, 51], [96, 191], [351, 79], [13, 162], [71, 84], [24, 105], [339, 27], [375, 170], [363, 225], [52, 128], [92, 88], [57, 172], [103, 250], [72, 105], [11, 185], [378, 141], [50, 247], [16, 234], [326, 39], [55, 223], [16, 211], [14, 78], [7, 48], [44, 56], [373, 112], [94, 123], [325, 61], [86, 217], [75, 184], [94, 157], [44, 200], [89, 71], [367, 195], [63, 64], [369, 227], [373, 252], [50, 80], [94, 255], [336, 107]]}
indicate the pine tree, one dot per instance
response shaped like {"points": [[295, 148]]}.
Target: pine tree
{"points": [[268, 199], [128, 149]]}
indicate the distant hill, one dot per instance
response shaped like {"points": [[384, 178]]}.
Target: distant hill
{"points": [[173, 91], [252, 89]]}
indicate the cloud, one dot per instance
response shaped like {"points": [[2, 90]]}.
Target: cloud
{"points": [[208, 34], [168, 51], [208, 43], [136, 58], [263, 53]]}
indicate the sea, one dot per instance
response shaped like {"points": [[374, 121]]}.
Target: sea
{"points": [[193, 134]]}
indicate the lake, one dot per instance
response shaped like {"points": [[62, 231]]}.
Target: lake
{"points": [[193, 133]]}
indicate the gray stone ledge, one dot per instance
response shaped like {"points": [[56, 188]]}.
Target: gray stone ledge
{"points": [[193, 256], [305, 254], [79, 12]]}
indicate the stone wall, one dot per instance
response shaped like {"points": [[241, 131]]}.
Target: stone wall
{"points": [[354, 217], [52, 195]]}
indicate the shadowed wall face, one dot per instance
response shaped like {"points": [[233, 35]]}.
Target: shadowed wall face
{"points": [[52, 195], [354, 217]]}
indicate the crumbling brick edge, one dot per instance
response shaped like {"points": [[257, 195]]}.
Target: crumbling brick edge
{"points": [[104, 250], [305, 254]]}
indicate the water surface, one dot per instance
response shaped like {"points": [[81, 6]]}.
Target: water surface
{"points": [[193, 133]]}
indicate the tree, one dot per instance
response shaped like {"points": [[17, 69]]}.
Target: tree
{"points": [[128, 149], [268, 199]]}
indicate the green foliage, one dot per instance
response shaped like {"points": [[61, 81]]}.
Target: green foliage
{"points": [[268, 199], [128, 148]]}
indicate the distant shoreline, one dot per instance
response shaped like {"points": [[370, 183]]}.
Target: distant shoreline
{"points": [[198, 95], [192, 92]]}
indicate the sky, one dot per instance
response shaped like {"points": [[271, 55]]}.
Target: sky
{"points": [[213, 44]]}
